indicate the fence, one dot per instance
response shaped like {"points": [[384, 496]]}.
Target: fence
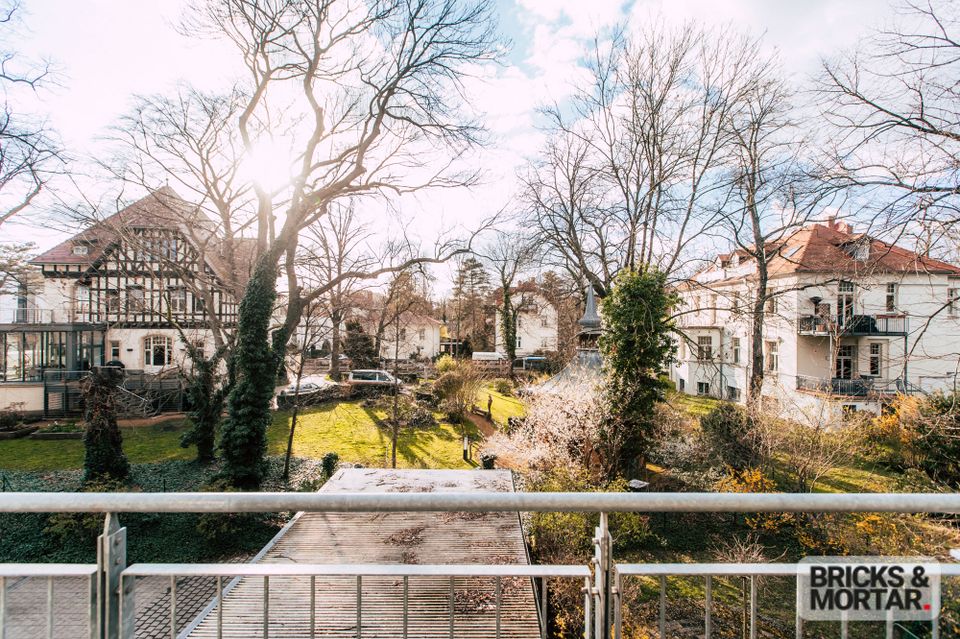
{"points": [[112, 584]]}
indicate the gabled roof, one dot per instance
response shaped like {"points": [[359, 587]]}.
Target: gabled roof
{"points": [[835, 248], [164, 209]]}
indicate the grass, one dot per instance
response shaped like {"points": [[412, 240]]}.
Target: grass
{"points": [[155, 443], [346, 428], [350, 430], [504, 406], [695, 405]]}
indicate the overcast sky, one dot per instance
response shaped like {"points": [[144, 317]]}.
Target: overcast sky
{"points": [[108, 50]]}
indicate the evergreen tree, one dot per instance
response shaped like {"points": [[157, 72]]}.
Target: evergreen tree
{"points": [[103, 444], [471, 289], [206, 398], [359, 346], [636, 345]]}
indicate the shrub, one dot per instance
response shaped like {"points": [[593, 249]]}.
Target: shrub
{"points": [[503, 386], [445, 364], [329, 463], [421, 417], [224, 529], [10, 420], [728, 434]]}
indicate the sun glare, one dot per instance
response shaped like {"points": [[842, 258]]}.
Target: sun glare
{"points": [[269, 164]]}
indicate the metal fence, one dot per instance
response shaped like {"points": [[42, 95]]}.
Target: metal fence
{"points": [[112, 584]]}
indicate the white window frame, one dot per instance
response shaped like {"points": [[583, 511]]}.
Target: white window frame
{"points": [[771, 359], [891, 299], [178, 299], [735, 349], [703, 388], [150, 345], [875, 356], [704, 350]]}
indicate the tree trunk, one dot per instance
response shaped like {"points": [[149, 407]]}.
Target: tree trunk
{"points": [[336, 317], [396, 398], [293, 418]]}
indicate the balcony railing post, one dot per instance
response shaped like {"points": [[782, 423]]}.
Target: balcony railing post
{"points": [[111, 562], [603, 566]]}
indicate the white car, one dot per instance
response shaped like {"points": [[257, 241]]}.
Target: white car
{"points": [[372, 377]]}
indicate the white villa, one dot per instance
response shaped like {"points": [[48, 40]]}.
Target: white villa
{"points": [[537, 324], [116, 292], [419, 338], [853, 321]]}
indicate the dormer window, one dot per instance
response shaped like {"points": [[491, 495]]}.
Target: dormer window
{"points": [[80, 249]]}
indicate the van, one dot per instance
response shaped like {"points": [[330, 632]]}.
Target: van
{"points": [[487, 356]]}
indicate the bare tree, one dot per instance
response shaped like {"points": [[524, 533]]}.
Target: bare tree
{"points": [[365, 99], [29, 156], [632, 173], [894, 107], [510, 254]]}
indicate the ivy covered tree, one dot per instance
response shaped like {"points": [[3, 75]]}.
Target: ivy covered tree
{"points": [[207, 397], [243, 439], [102, 442], [636, 345]]}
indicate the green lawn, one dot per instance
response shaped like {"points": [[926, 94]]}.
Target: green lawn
{"points": [[503, 407], [346, 428], [696, 405]]}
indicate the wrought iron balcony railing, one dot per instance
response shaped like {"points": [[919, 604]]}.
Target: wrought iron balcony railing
{"points": [[108, 611], [853, 325]]}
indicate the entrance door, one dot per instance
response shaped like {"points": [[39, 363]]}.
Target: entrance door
{"points": [[846, 356]]}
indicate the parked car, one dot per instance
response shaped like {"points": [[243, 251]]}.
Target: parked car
{"points": [[311, 392], [372, 377]]}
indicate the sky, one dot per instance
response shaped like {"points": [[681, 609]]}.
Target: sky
{"points": [[105, 51]]}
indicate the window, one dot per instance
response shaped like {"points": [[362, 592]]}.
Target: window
{"points": [[704, 348], [518, 342], [422, 334], [703, 388], [157, 351], [891, 297], [735, 347], [113, 301], [114, 350], [846, 356], [845, 287], [178, 300], [545, 322], [197, 302], [81, 249], [403, 334], [876, 359], [135, 299], [733, 393], [544, 343], [199, 346], [953, 296], [169, 248], [519, 322], [772, 306], [772, 359], [683, 384]]}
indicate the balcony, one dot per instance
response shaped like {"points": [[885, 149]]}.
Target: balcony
{"points": [[853, 325], [859, 387], [284, 592]]}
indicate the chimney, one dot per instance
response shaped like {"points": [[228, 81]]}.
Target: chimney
{"points": [[831, 222]]}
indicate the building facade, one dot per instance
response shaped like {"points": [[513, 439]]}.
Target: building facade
{"points": [[129, 290], [537, 326], [850, 322]]}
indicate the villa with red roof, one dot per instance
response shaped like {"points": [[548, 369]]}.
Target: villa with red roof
{"points": [[852, 321]]}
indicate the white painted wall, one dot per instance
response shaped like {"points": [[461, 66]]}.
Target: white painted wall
{"points": [[537, 327]]}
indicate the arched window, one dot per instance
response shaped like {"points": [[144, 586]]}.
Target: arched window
{"points": [[157, 350]]}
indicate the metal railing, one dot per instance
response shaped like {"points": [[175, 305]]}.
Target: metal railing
{"points": [[112, 584], [857, 387], [896, 325]]}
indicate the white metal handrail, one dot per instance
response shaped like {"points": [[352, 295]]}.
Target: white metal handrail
{"points": [[478, 502]]}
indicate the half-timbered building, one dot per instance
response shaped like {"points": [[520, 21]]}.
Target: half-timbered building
{"points": [[128, 290]]}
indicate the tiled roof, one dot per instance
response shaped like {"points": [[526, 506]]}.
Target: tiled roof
{"points": [[162, 208], [833, 248]]}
